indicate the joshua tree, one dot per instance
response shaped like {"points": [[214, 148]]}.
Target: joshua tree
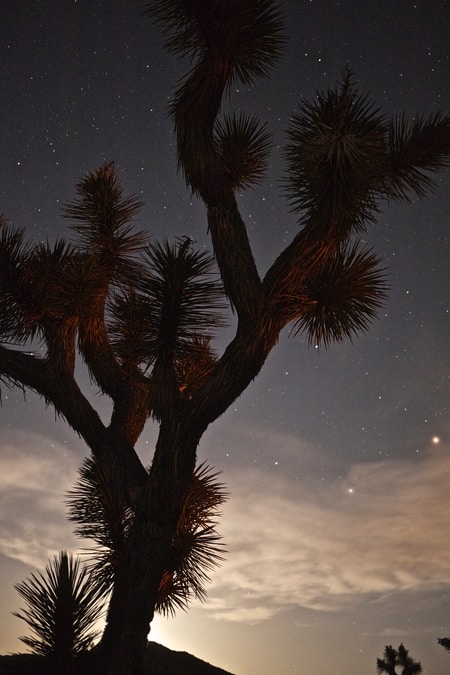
{"points": [[62, 607], [401, 658], [142, 314], [445, 642]]}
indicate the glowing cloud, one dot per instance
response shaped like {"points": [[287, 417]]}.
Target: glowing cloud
{"points": [[318, 545]]}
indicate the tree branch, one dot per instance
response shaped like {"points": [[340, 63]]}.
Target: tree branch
{"points": [[61, 390], [239, 365], [195, 110], [289, 271], [234, 257]]}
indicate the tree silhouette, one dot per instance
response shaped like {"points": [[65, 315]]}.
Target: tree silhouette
{"points": [[62, 607], [142, 314], [445, 642], [401, 658]]}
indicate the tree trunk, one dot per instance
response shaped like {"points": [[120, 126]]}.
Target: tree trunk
{"points": [[132, 604], [138, 576]]}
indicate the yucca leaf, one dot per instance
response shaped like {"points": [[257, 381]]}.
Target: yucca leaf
{"points": [[63, 605], [335, 157], [418, 147], [102, 516], [248, 35], [177, 298], [102, 218], [196, 547], [344, 156], [19, 307], [342, 297], [243, 144]]}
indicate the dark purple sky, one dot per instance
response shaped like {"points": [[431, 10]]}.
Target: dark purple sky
{"points": [[337, 462]]}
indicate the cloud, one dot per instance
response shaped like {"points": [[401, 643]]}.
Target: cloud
{"points": [[35, 473], [303, 539], [326, 544]]}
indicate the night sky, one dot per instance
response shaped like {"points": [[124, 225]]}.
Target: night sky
{"points": [[337, 462]]}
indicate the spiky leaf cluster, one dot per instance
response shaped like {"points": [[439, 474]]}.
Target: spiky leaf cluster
{"points": [[102, 516], [196, 547], [344, 156], [342, 296], [246, 35], [418, 148], [95, 505], [102, 216], [176, 301], [18, 315], [66, 282], [42, 287], [63, 605], [243, 144], [335, 155]]}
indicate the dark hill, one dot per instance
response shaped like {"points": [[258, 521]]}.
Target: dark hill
{"points": [[160, 661], [168, 662]]}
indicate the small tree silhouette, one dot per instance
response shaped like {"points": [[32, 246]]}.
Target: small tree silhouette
{"points": [[397, 657], [63, 605], [445, 642]]}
